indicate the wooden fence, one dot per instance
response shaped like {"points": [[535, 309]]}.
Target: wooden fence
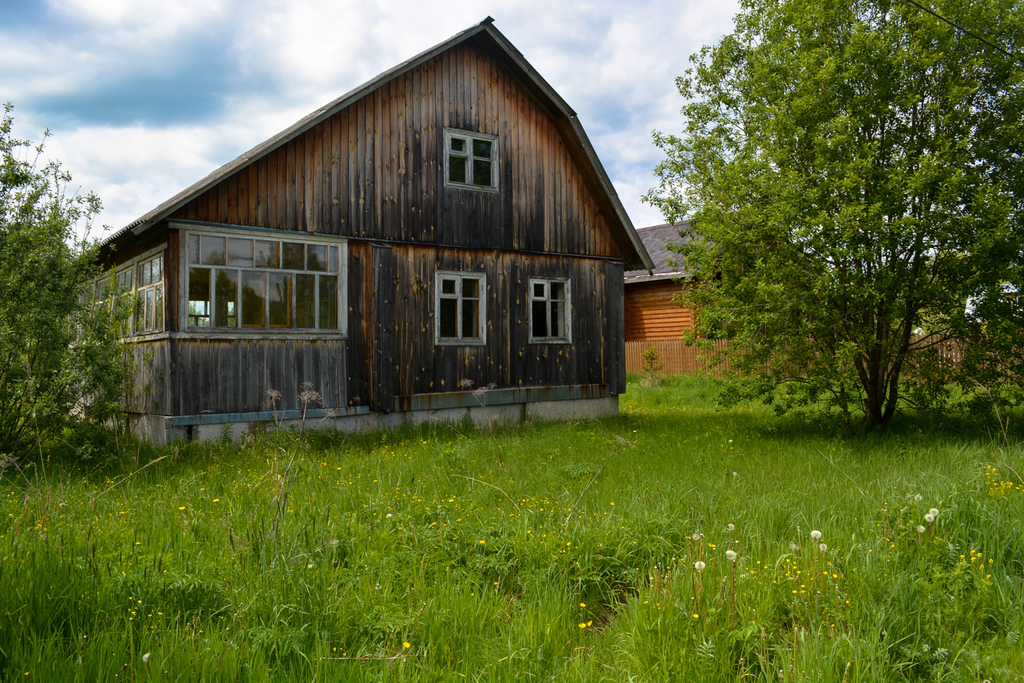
{"points": [[677, 358]]}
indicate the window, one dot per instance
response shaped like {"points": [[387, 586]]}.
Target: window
{"points": [[470, 160], [149, 305], [258, 283], [550, 310], [460, 308]]}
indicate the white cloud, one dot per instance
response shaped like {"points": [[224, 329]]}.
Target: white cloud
{"points": [[257, 67]]}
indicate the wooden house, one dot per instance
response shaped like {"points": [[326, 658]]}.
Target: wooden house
{"points": [[650, 309], [440, 242]]}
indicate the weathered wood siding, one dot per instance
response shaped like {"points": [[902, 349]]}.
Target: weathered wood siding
{"points": [[652, 315], [409, 362], [375, 170], [234, 376]]}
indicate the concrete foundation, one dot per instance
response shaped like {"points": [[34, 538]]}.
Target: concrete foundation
{"points": [[162, 429]]}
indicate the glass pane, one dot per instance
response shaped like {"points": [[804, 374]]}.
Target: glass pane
{"points": [[456, 170], [328, 302], [158, 311], [481, 172], [317, 257], [538, 290], [144, 274], [267, 256], [124, 280], [305, 301], [240, 253], [558, 291], [482, 148], [557, 319], [199, 297], [158, 267], [458, 145], [470, 287], [539, 319], [293, 256], [449, 317], [469, 318], [332, 263], [254, 287], [226, 306], [212, 252], [447, 286], [280, 296], [148, 324], [193, 249]]}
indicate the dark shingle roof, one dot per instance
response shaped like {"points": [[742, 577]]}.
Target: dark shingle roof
{"points": [[667, 264]]}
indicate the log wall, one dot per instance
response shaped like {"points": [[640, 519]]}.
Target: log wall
{"points": [[652, 315]]}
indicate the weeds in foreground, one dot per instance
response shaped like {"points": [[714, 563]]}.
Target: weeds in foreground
{"points": [[709, 546]]}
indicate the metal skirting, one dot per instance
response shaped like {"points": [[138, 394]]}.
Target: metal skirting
{"points": [[495, 397], [265, 416]]}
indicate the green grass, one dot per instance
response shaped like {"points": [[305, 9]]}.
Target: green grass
{"points": [[542, 552]]}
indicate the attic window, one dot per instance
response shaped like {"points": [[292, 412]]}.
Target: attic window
{"points": [[470, 160]]}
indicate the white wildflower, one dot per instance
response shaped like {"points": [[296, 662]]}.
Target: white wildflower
{"points": [[822, 547], [816, 535], [929, 518], [145, 658], [934, 512], [731, 527], [920, 529], [730, 555], [698, 565]]}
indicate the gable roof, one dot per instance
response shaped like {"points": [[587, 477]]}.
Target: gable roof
{"points": [[491, 41], [667, 264]]}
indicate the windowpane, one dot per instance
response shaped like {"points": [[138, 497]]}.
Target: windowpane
{"points": [[280, 296], [158, 267], [193, 249], [469, 318], [538, 318], [266, 256], [317, 260], [328, 302], [332, 264], [226, 311], [293, 256], [212, 253], [481, 172], [538, 290], [557, 319], [470, 287], [254, 287], [558, 291], [449, 316], [448, 286], [482, 148], [456, 170], [148, 320], [458, 145], [199, 297], [305, 301], [158, 310], [144, 274], [240, 253]]}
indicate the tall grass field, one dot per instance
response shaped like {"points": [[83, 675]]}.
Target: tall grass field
{"points": [[675, 542]]}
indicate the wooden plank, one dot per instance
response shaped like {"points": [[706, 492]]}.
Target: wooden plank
{"points": [[291, 188]]}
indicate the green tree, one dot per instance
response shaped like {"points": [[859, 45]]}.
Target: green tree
{"points": [[853, 170], [60, 358]]}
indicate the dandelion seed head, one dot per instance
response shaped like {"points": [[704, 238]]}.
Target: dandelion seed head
{"points": [[920, 529], [730, 555], [731, 527], [934, 512], [698, 565], [918, 498], [145, 658], [929, 518], [815, 534], [822, 547]]}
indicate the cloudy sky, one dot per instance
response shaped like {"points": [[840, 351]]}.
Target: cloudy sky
{"points": [[145, 97]]}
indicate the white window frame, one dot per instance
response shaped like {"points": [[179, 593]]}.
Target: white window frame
{"points": [[546, 298], [468, 137], [272, 236], [459, 277], [143, 314]]}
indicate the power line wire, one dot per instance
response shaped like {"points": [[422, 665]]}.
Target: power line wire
{"points": [[964, 30]]}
